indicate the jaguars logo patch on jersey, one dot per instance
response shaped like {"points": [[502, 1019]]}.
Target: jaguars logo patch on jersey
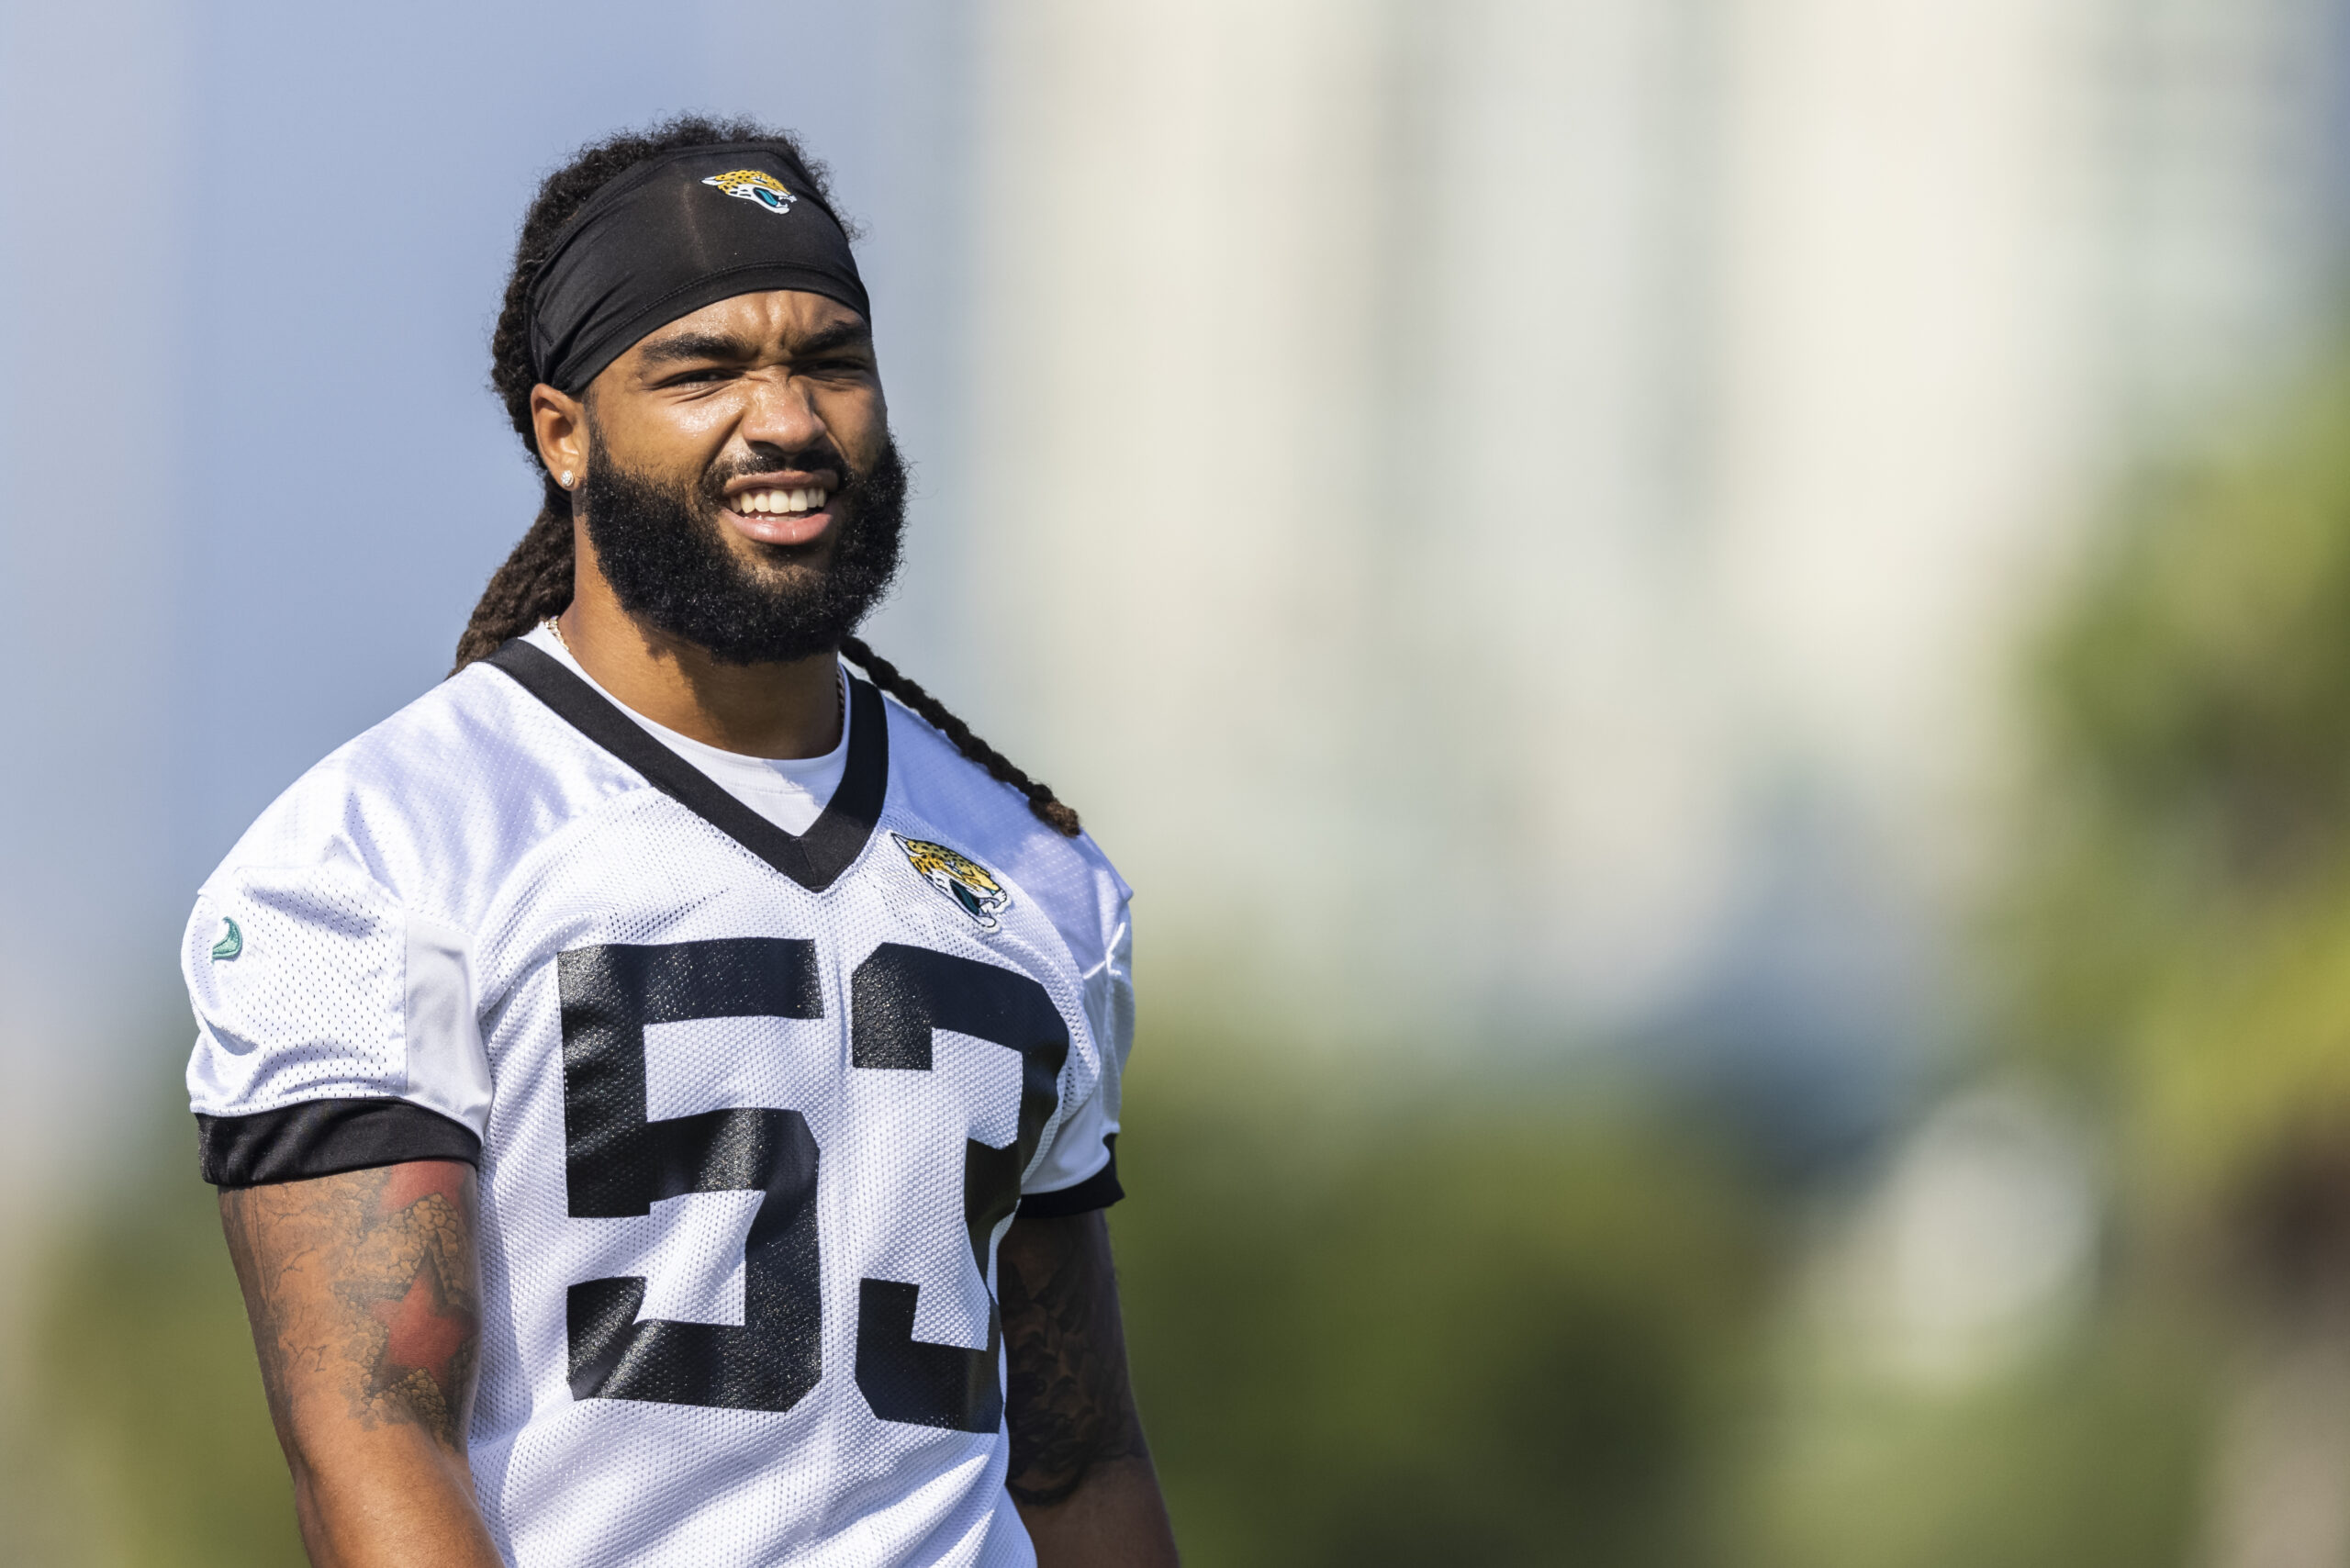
{"points": [[971, 885], [754, 184]]}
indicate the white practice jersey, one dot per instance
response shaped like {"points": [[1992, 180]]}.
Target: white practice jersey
{"points": [[751, 1109]]}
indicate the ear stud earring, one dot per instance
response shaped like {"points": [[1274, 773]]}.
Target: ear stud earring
{"points": [[566, 480]]}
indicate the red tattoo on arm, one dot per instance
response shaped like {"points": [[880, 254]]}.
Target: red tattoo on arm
{"points": [[366, 1282]]}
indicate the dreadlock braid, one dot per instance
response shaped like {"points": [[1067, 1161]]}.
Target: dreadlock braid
{"points": [[536, 580], [534, 583], [1048, 806]]}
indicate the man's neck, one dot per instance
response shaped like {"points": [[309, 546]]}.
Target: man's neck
{"points": [[770, 710]]}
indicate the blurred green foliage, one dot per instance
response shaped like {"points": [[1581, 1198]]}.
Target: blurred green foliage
{"points": [[2091, 1455], [2178, 930], [2181, 926], [145, 1393], [1470, 1326]]}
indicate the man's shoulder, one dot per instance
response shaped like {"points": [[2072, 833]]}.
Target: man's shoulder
{"points": [[432, 802], [992, 823]]}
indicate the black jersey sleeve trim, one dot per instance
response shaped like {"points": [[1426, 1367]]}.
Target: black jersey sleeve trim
{"points": [[1098, 1190], [326, 1137], [815, 860]]}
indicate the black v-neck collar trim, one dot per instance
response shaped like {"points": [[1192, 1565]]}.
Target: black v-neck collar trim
{"points": [[815, 860]]}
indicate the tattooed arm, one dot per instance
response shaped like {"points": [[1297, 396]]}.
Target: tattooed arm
{"points": [[365, 1294], [1081, 1473]]}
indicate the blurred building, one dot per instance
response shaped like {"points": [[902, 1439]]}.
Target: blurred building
{"points": [[1504, 512]]}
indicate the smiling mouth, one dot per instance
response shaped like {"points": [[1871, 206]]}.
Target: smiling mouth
{"points": [[779, 501]]}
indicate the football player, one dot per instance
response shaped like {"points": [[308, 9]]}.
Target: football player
{"points": [[663, 1083]]}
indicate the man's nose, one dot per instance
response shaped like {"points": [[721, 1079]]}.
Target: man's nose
{"points": [[780, 413]]}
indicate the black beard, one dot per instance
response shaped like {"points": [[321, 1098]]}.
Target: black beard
{"points": [[660, 548]]}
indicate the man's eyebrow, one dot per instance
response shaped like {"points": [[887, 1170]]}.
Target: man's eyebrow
{"points": [[719, 346], [839, 335], [694, 346]]}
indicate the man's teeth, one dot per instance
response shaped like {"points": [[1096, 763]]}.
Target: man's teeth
{"points": [[781, 503]]}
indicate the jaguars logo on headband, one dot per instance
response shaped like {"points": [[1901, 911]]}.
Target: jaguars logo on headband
{"points": [[754, 184], [972, 887]]}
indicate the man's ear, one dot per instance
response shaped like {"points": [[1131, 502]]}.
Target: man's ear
{"points": [[559, 421]]}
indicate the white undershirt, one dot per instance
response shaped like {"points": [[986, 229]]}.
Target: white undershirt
{"points": [[789, 791]]}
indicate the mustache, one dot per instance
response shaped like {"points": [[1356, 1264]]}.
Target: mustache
{"points": [[809, 457]]}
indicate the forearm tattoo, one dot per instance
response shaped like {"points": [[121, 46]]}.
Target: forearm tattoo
{"points": [[1068, 1402], [364, 1284]]}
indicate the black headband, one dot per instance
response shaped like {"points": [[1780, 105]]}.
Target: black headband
{"points": [[675, 233]]}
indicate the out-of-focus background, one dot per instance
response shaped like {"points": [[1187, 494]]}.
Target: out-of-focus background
{"points": [[1717, 632]]}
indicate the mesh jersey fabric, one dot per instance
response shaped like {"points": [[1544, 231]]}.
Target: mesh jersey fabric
{"points": [[746, 1148]]}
